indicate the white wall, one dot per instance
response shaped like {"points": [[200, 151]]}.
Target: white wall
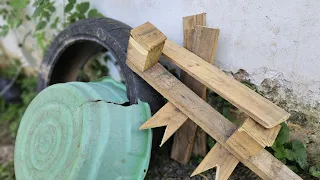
{"points": [[269, 39]]}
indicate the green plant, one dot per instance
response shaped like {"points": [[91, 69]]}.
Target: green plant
{"points": [[292, 153], [7, 171], [12, 112], [47, 20], [315, 171]]}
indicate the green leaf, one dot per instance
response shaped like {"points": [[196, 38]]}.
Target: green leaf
{"points": [[294, 168], [19, 23], [315, 171], [41, 25], [94, 13], [300, 154], [52, 9], [19, 4], [38, 11], [83, 7], [4, 30], [68, 7], [55, 22], [283, 135], [40, 2], [289, 154], [72, 1], [81, 16], [46, 15]]}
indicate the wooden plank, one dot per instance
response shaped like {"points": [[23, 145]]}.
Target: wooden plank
{"points": [[201, 41], [242, 143], [257, 107], [217, 126], [168, 116], [145, 46], [189, 23], [218, 157], [262, 135]]}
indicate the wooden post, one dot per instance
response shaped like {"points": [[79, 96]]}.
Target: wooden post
{"points": [[202, 41]]}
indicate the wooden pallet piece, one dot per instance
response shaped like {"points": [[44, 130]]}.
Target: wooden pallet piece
{"points": [[254, 105], [202, 41], [220, 158], [168, 116], [264, 164], [145, 44]]}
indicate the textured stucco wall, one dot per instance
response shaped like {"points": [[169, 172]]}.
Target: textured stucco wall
{"points": [[269, 39]]}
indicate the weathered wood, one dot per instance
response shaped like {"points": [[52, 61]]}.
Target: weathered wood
{"points": [[168, 116], [262, 135], [202, 41], [242, 143], [145, 46], [217, 126], [218, 157], [257, 107]]}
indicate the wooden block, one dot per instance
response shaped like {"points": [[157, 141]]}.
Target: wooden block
{"points": [[202, 41], [263, 164], [242, 143], [262, 135], [189, 23], [168, 116], [145, 46], [257, 107], [218, 157]]}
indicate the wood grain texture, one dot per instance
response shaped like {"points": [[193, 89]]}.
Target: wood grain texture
{"points": [[217, 126], [218, 157], [243, 144], [148, 36], [202, 41], [169, 116], [262, 135], [257, 107], [145, 46]]}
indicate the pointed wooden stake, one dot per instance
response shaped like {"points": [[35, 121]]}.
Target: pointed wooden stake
{"points": [[169, 116], [218, 157]]}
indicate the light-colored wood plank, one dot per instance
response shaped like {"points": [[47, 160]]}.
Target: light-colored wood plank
{"points": [[217, 126], [202, 41], [168, 116], [189, 23], [262, 135], [145, 46], [242, 143], [148, 36], [218, 157], [257, 107]]}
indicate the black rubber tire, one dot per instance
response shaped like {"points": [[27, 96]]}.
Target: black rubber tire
{"points": [[71, 49]]}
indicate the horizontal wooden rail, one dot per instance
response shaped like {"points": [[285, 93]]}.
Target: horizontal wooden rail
{"points": [[254, 105]]}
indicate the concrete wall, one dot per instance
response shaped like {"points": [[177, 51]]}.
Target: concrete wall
{"points": [[275, 42]]}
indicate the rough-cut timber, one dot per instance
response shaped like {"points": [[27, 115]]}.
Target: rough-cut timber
{"points": [[202, 41], [218, 157], [217, 126], [168, 116], [145, 46], [262, 135], [257, 107]]}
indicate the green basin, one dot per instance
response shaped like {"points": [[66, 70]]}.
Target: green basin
{"points": [[83, 131]]}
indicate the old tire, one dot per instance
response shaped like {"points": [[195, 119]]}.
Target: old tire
{"points": [[71, 49]]}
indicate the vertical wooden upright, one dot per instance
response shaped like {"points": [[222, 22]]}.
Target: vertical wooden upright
{"points": [[202, 41]]}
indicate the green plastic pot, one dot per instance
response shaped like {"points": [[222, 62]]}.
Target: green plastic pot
{"points": [[83, 131]]}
